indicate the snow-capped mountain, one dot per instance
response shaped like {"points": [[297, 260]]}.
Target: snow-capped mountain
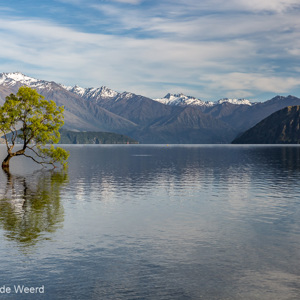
{"points": [[104, 93], [99, 95], [12, 78], [92, 93], [18, 79], [236, 101], [182, 100]]}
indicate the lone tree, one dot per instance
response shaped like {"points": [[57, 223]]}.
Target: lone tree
{"points": [[29, 118]]}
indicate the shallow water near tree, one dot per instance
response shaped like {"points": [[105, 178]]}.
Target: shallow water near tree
{"points": [[154, 222]]}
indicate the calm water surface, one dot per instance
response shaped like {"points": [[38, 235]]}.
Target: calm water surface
{"points": [[154, 222]]}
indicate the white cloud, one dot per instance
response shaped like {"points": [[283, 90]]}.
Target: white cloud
{"points": [[175, 43], [252, 81], [129, 1], [50, 46], [175, 24], [278, 6], [73, 2], [254, 6]]}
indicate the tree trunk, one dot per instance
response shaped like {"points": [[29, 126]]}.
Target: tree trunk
{"points": [[5, 163]]}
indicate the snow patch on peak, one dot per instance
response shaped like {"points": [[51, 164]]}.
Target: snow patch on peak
{"points": [[17, 79], [66, 87], [13, 78], [78, 90], [94, 94], [235, 101], [127, 95], [182, 100], [107, 92]]}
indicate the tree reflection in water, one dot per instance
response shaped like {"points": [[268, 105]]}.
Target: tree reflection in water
{"points": [[30, 206]]}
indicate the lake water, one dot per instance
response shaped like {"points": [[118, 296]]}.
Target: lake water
{"points": [[154, 222]]}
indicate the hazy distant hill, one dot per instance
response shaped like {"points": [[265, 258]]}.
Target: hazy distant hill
{"points": [[87, 137], [72, 137], [282, 127]]}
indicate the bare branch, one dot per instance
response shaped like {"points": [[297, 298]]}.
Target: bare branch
{"points": [[28, 141], [6, 141], [40, 162], [14, 135], [36, 153]]}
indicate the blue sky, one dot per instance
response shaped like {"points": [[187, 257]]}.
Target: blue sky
{"points": [[208, 49]]}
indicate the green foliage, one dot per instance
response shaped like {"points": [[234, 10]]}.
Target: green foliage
{"points": [[36, 121]]}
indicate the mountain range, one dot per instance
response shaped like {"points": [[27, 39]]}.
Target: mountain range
{"points": [[177, 119]]}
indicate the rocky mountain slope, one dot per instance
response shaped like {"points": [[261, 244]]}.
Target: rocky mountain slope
{"points": [[281, 127]]}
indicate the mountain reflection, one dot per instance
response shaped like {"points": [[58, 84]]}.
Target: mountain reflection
{"points": [[30, 206]]}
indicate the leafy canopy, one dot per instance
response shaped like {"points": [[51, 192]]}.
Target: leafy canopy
{"points": [[28, 117]]}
